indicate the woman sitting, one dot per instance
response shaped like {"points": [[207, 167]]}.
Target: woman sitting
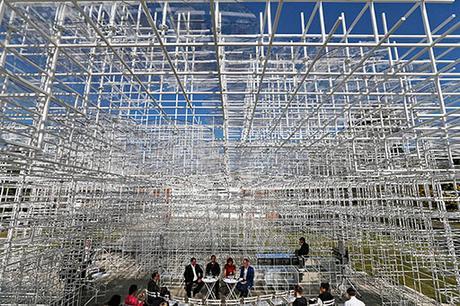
{"points": [[229, 268], [132, 299]]}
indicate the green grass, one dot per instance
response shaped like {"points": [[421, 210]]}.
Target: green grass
{"points": [[419, 278]]}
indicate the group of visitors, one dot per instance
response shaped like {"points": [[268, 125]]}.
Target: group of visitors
{"points": [[133, 298], [159, 296], [153, 296], [193, 276], [325, 297]]}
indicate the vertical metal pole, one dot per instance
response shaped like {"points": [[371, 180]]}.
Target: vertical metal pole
{"points": [[442, 109]]}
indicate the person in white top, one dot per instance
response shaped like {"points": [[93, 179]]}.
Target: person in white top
{"points": [[193, 277], [353, 301], [246, 280]]}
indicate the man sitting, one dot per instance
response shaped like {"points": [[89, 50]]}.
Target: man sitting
{"points": [[304, 248], [213, 269], [246, 281], [156, 294], [193, 276]]}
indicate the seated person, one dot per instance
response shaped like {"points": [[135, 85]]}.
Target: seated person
{"points": [[304, 248], [229, 268], [246, 281], [115, 300], [132, 298], [213, 269], [299, 299], [193, 276], [156, 294], [325, 292]]}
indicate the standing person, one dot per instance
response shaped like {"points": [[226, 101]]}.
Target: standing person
{"points": [[132, 299], [213, 269], [325, 293], [353, 301], [229, 268], [299, 299], [246, 281], [193, 276]]}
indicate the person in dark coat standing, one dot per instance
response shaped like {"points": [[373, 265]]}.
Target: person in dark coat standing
{"points": [[213, 269], [193, 276]]}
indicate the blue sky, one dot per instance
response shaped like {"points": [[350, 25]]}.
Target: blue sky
{"points": [[290, 20]]}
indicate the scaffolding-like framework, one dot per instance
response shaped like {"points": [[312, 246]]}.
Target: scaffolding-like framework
{"points": [[135, 134]]}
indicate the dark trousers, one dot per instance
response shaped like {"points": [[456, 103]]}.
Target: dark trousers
{"points": [[216, 289], [155, 301], [243, 289], [189, 286]]}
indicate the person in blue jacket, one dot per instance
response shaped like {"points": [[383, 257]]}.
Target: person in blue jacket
{"points": [[246, 281]]}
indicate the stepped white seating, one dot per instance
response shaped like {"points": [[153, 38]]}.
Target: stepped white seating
{"points": [[233, 302], [181, 301], [280, 298], [247, 301], [212, 302], [152, 293], [265, 299], [194, 301]]}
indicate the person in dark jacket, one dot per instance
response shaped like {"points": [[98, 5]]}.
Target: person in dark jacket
{"points": [[156, 294], [325, 293], [304, 248], [115, 300], [299, 299], [246, 281], [193, 276], [213, 269]]}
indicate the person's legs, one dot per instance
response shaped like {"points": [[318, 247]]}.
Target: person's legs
{"points": [[224, 289], [198, 287], [188, 288], [243, 289], [216, 289], [245, 292]]}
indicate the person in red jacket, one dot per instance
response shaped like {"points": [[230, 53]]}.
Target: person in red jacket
{"points": [[229, 268], [132, 298]]}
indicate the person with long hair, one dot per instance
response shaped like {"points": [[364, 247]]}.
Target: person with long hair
{"points": [[132, 298], [229, 268]]}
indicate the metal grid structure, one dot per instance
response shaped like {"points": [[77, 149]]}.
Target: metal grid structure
{"points": [[135, 134]]}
